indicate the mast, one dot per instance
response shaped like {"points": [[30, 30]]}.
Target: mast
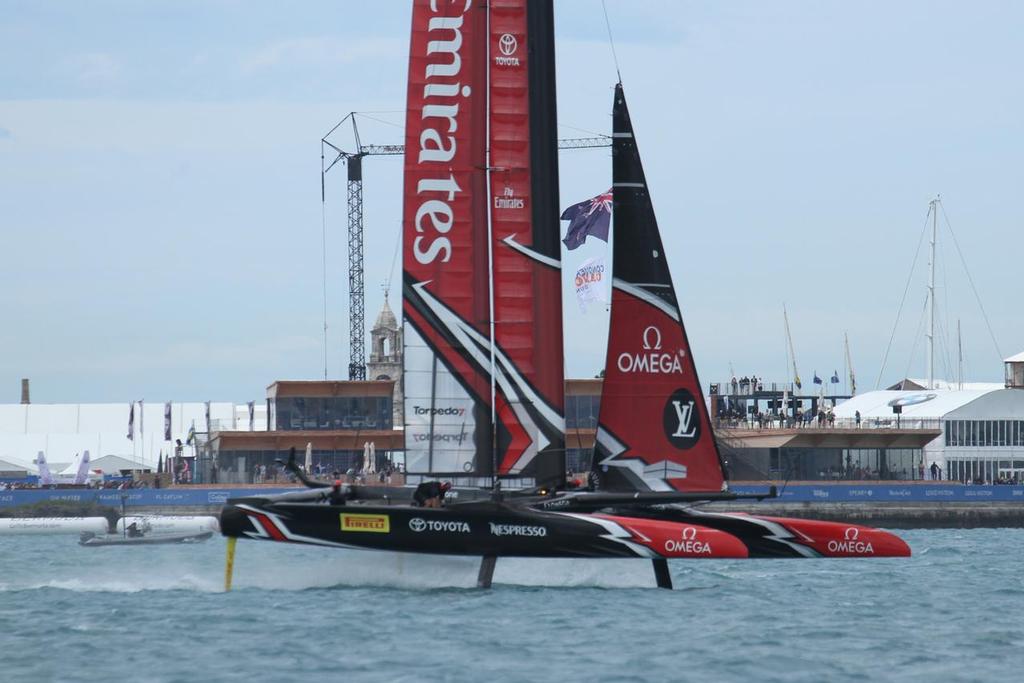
{"points": [[931, 294], [792, 353], [959, 357], [849, 365], [490, 268]]}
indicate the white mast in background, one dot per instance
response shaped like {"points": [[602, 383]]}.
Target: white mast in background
{"points": [[934, 207]]}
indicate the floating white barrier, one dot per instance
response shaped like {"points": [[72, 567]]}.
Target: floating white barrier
{"points": [[52, 525], [157, 524]]}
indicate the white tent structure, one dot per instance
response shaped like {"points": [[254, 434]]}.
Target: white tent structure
{"points": [[982, 429], [61, 430]]}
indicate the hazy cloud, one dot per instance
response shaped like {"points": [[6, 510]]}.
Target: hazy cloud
{"points": [[4, 133], [92, 68], [321, 51]]}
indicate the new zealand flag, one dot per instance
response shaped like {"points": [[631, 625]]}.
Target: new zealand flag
{"points": [[590, 217]]}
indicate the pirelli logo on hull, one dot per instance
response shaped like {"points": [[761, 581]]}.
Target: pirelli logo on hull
{"points": [[377, 524]]}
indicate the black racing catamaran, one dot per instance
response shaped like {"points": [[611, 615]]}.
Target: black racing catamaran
{"points": [[483, 337]]}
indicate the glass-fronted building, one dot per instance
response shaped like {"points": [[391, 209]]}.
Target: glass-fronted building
{"points": [[982, 428], [343, 420]]}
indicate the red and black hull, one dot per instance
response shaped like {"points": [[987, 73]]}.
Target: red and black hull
{"points": [[497, 529]]}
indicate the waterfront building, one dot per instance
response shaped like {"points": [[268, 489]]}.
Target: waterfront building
{"points": [[981, 437], [341, 419]]}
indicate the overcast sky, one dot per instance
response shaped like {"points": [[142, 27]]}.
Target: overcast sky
{"points": [[160, 215]]}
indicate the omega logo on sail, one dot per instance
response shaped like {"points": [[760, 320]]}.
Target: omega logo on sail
{"points": [[653, 360], [437, 144]]}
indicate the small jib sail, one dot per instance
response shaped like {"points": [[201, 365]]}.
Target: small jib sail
{"points": [[653, 428], [481, 273]]}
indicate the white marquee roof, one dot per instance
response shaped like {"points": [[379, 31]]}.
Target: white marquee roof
{"points": [[876, 403]]}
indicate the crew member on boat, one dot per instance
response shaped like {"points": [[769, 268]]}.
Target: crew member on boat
{"points": [[430, 494]]}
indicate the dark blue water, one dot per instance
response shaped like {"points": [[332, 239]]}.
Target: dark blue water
{"points": [[953, 612]]}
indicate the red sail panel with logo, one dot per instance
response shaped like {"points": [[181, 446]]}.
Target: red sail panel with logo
{"points": [[527, 280], [653, 429], [445, 283], [456, 66]]}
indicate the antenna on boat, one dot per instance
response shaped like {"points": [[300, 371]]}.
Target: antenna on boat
{"points": [[611, 41]]}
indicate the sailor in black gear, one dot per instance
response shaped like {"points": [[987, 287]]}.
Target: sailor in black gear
{"points": [[337, 495], [430, 494]]}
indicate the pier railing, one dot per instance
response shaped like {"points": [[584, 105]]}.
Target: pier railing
{"points": [[825, 424], [762, 389]]}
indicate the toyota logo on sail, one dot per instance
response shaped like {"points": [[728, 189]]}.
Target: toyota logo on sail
{"points": [[652, 358], [507, 46], [417, 524]]}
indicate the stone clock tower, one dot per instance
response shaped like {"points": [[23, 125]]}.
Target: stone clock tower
{"points": [[386, 356]]}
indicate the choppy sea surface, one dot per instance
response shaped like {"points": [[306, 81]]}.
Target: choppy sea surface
{"points": [[953, 612]]}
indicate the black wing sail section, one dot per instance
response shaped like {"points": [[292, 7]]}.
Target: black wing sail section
{"points": [[653, 430]]}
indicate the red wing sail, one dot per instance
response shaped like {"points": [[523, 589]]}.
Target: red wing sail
{"points": [[471, 91], [653, 430]]}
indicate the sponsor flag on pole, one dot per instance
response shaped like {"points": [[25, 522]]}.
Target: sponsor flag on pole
{"points": [[817, 380], [252, 415], [190, 439], [590, 217], [142, 416], [131, 421], [590, 282], [167, 421], [835, 377], [207, 417]]}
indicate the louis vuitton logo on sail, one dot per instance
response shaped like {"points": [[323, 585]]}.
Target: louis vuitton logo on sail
{"points": [[681, 419], [437, 144], [684, 413], [651, 358]]}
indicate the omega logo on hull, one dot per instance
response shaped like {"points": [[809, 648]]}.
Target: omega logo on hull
{"points": [[689, 543], [851, 543]]}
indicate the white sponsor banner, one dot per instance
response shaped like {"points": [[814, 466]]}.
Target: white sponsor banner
{"points": [[591, 282], [439, 424]]}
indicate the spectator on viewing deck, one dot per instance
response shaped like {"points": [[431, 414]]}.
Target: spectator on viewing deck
{"points": [[856, 418], [935, 471]]}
